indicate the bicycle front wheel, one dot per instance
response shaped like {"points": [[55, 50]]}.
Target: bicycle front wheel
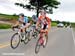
{"points": [[37, 47], [15, 40]]}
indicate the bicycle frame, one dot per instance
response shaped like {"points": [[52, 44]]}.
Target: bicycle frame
{"points": [[20, 31], [41, 39]]}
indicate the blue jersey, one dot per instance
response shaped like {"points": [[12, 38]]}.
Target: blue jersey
{"points": [[25, 20]]}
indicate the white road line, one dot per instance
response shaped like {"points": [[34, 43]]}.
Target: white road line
{"points": [[73, 36]]}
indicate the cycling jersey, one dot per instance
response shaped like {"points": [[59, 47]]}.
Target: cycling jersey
{"points": [[45, 23], [25, 20]]}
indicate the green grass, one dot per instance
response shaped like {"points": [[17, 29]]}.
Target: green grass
{"points": [[53, 24], [7, 17], [73, 25], [5, 26]]}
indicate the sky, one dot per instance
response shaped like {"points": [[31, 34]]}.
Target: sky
{"points": [[65, 12]]}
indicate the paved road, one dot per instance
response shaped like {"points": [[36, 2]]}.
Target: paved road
{"points": [[60, 43], [74, 41]]}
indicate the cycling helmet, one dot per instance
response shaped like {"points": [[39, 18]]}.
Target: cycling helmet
{"points": [[34, 17], [43, 11], [21, 14]]}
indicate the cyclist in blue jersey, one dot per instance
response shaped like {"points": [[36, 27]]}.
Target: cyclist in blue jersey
{"points": [[23, 22], [34, 18]]}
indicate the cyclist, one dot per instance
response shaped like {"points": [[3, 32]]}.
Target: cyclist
{"points": [[23, 21], [45, 23], [34, 19]]}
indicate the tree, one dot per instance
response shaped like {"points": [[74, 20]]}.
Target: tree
{"points": [[64, 22], [38, 5], [58, 21], [14, 14], [68, 23]]}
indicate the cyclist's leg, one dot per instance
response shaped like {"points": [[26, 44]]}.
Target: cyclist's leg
{"points": [[41, 34], [27, 25], [41, 38], [23, 32], [24, 27], [45, 37]]}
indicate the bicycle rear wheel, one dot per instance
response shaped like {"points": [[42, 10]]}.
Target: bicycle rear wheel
{"points": [[15, 40]]}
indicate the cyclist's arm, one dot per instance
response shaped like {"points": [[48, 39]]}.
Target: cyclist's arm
{"points": [[21, 22], [49, 24], [38, 22], [16, 23]]}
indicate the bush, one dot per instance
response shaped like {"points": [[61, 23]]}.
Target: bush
{"points": [[73, 25], [53, 24]]}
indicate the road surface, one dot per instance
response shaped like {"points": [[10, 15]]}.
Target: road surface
{"points": [[60, 43]]}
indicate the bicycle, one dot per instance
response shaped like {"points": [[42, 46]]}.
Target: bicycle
{"points": [[42, 39], [34, 32], [17, 38]]}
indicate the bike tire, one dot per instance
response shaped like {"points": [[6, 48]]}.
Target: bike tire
{"points": [[37, 47], [12, 45]]}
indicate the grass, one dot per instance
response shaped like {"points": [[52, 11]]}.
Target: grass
{"points": [[5, 26], [73, 25], [7, 17], [53, 24], [4, 17]]}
